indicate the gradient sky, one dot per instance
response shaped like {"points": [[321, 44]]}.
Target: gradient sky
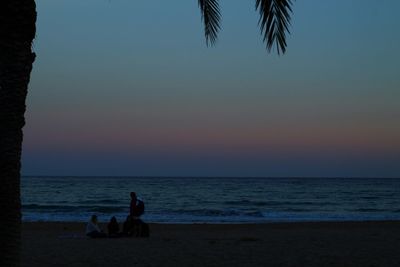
{"points": [[123, 87]]}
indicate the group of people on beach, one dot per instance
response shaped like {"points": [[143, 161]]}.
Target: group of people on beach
{"points": [[133, 225]]}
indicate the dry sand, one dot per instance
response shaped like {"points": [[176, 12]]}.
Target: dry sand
{"points": [[341, 244]]}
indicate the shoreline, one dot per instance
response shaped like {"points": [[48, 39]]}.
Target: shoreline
{"points": [[103, 224], [372, 243]]}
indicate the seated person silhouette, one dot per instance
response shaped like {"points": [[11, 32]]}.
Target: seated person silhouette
{"points": [[113, 227], [93, 230], [127, 226]]}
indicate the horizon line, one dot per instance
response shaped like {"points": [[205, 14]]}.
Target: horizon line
{"points": [[212, 176]]}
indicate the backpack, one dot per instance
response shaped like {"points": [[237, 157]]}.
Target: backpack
{"points": [[140, 207]]}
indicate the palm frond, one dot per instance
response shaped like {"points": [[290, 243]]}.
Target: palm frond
{"points": [[274, 22], [211, 16]]}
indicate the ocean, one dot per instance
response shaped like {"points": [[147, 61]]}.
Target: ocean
{"points": [[212, 200]]}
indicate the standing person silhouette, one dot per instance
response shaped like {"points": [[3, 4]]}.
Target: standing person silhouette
{"points": [[136, 210], [136, 207]]}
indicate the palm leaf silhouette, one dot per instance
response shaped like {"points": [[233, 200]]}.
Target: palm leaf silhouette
{"points": [[274, 22], [211, 17]]}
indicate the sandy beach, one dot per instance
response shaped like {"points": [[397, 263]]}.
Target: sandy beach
{"points": [[276, 244]]}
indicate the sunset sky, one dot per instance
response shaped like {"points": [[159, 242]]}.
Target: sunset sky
{"points": [[123, 87]]}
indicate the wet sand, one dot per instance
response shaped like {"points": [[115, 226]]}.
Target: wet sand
{"points": [[319, 244]]}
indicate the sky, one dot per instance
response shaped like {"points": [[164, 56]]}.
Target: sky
{"points": [[122, 87]]}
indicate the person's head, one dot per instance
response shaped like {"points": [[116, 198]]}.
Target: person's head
{"points": [[94, 218], [113, 219], [133, 195]]}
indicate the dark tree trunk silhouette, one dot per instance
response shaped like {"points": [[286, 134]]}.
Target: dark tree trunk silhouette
{"points": [[17, 30]]}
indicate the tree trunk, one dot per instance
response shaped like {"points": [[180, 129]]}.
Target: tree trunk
{"points": [[17, 30]]}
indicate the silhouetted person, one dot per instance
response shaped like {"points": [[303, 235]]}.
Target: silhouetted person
{"points": [[136, 207], [92, 228], [127, 226], [113, 227], [139, 228]]}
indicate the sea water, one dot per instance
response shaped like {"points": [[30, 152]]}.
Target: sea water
{"points": [[212, 200]]}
